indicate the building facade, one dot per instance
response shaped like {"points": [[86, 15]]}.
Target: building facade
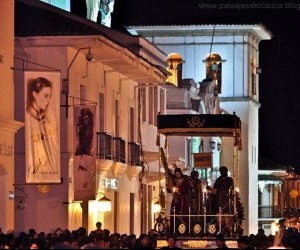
{"points": [[120, 76], [8, 125], [238, 49]]}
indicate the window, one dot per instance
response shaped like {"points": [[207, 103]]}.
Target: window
{"points": [[132, 125], [214, 69], [253, 83], [82, 95], [117, 118], [101, 112]]}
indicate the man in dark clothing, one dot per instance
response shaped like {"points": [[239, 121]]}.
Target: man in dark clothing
{"points": [[220, 241], [171, 240], [222, 194]]}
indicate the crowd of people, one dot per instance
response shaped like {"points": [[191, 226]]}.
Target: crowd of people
{"points": [[187, 197], [287, 238]]}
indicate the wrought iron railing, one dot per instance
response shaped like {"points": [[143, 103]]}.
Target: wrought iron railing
{"points": [[269, 212], [134, 154], [291, 212], [104, 145], [119, 150]]}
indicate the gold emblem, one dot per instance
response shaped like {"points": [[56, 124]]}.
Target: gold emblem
{"points": [[197, 228], [182, 228], [43, 188], [196, 122], [212, 228]]}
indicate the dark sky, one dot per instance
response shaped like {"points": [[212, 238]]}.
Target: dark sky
{"points": [[279, 133]]}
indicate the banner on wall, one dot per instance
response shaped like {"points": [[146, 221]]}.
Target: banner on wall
{"points": [[42, 122], [84, 152]]}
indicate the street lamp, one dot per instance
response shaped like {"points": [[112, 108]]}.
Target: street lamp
{"points": [[156, 205], [213, 145], [89, 56], [104, 203]]}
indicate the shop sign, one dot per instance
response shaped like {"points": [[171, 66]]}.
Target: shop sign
{"points": [[202, 160]]}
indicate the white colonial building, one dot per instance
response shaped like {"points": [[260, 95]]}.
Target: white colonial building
{"points": [[235, 50]]}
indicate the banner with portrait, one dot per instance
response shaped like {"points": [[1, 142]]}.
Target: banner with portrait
{"points": [[42, 122], [84, 138]]}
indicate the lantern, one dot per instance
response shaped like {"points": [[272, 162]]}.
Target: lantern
{"points": [[294, 193]]}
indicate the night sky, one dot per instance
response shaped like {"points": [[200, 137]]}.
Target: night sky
{"points": [[279, 134]]}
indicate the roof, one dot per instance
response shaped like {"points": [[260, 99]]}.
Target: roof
{"points": [[37, 19], [266, 164], [268, 177], [190, 13], [259, 30]]}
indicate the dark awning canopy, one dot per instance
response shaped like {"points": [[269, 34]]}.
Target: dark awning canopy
{"points": [[269, 178], [199, 125]]}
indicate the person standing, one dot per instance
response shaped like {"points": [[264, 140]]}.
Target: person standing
{"points": [[171, 240], [143, 242], [223, 197], [279, 235], [99, 230], [196, 195], [221, 242], [180, 202]]}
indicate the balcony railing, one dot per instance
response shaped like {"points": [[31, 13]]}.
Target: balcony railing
{"points": [[134, 154], [291, 212], [119, 150], [269, 212], [104, 145]]}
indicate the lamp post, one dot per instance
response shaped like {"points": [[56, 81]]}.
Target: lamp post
{"points": [[213, 145], [88, 57], [104, 203], [156, 205]]}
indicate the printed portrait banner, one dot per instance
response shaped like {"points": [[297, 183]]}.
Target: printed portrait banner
{"points": [[42, 122], [84, 138]]}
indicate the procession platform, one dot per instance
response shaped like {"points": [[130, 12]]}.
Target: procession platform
{"points": [[190, 242]]}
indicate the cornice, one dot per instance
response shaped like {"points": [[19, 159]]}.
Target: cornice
{"points": [[10, 125]]}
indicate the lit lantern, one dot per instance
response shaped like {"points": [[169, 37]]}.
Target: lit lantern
{"points": [[156, 207], [104, 204], [294, 193], [174, 66]]}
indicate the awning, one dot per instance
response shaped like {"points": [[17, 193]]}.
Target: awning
{"points": [[267, 179], [199, 125], [150, 156]]}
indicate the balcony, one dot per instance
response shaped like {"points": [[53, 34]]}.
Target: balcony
{"points": [[104, 146], [270, 212], [134, 154], [119, 150]]}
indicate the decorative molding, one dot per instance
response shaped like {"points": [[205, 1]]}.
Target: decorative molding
{"points": [[118, 168], [103, 166], [133, 171], [10, 125]]}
